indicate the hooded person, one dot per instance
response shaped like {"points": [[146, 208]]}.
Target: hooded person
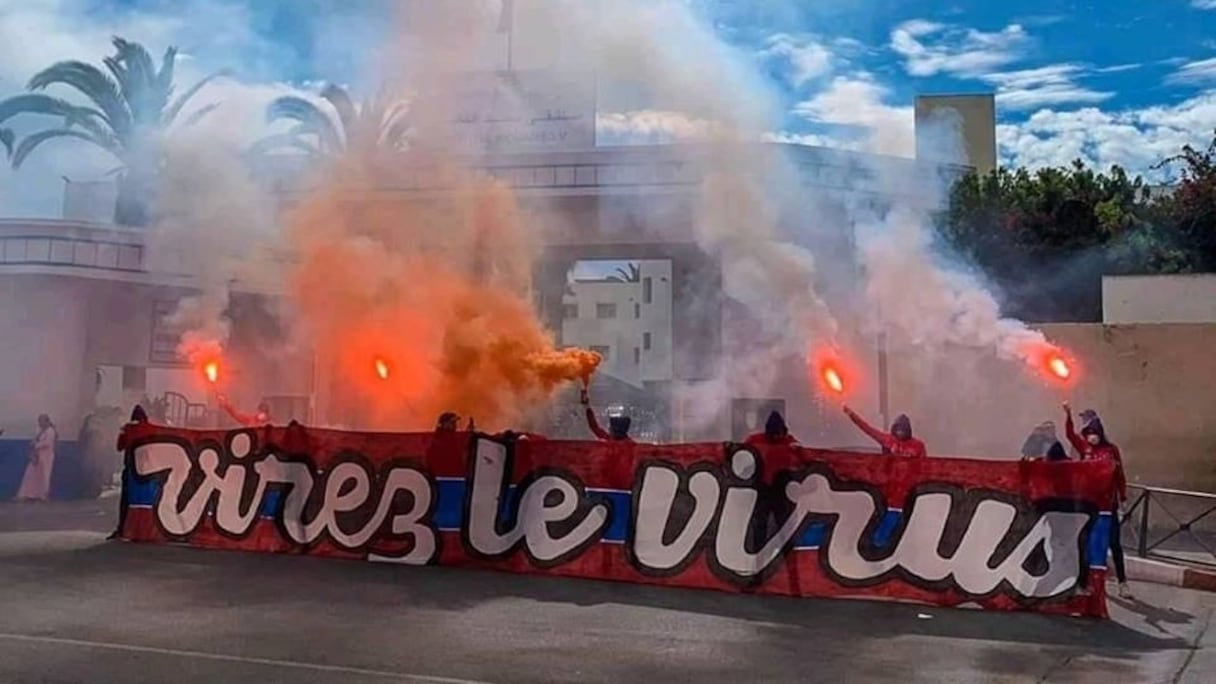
{"points": [[258, 418], [448, 421], [618, 426], [1093, 445], [775, 432], [898, 442], [1040, 440], [1056, 453]]}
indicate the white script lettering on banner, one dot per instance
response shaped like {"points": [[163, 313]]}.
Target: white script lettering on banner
{"points": [[534, 511], [849, 514], [346, 489]]}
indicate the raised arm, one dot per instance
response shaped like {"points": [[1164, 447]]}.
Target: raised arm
{"points": [[1070, 431], [883, 438], [592, 422]]}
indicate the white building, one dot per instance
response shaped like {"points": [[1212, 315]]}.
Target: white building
{"points": [[626, 318]]}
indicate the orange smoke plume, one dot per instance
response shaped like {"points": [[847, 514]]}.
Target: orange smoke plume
{"points": [[441, 286]]}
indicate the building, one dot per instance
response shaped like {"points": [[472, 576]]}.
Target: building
{"points": [[957, 129], [626, 317]]}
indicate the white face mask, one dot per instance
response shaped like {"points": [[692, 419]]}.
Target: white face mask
{"points": [[1093, 439]]}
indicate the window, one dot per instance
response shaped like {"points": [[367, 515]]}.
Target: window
{"points": [[637, 355], [647, 290], [637, 311], [569, 311], [603, 310], [604, 352], [646, 341]]}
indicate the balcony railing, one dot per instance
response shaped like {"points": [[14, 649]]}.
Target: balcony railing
{"points": [[1172, 524]]}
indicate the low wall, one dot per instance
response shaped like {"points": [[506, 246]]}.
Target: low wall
{"points": [[1153, 385]]}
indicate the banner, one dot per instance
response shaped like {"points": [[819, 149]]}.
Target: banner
{"points": [[1006, 535]]}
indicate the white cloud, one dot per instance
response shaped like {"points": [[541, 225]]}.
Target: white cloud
{"points": [[1203, 4], [650, 126], [930, 48], [1042, 86], [807, 58], [1198, 71], [860, 101], [1134, 139]]}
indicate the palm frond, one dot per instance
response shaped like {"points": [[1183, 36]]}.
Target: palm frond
{"points": [[395, 126], [31, 142], [200, 113], [135, 73], [40, 103], [176, 108], [310, 115], [6, 139], [340, 99], [164, 78], [93, 84]]}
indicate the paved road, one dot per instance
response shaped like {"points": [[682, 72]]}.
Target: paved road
{"points": [[74, 608]]}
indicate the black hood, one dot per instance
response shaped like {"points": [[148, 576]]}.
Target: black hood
{"points": [[618, 426], [1095, 427], [902, 421], [775, 425]]}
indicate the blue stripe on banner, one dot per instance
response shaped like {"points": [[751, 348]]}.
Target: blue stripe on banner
{"points": [[449, 515], [1099, 542]]}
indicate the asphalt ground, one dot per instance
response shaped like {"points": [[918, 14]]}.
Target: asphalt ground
{"points": [[75, 608]]}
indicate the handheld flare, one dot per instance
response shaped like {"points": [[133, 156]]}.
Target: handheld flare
{"points": [[382, 369], [832, 377], [211, 369], [1057, 365]]}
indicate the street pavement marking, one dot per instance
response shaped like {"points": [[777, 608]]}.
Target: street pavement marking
{"points": [[203, 655]]}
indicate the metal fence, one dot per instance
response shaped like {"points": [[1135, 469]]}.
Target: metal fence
{"points": [[1171, 524]]}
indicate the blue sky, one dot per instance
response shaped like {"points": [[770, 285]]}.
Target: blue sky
{"points": [[1121, 81]]}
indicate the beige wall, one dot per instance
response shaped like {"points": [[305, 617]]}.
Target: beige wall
{"points": [[1153, 385], [975, 119], [1187, 298]]}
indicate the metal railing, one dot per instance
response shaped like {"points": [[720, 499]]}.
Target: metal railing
{"points": [[1169, 524]]}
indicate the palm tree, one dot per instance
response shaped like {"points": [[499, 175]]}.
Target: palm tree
{"points": [[129, 109], [631, 275], [6, 139], [377, 124]]}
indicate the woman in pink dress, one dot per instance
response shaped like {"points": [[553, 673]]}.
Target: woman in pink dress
{"points": [[36, 485]]}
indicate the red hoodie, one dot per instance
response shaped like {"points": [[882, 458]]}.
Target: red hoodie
{"points": [[1104, 450], [909, 448], [600, 432], [761, 439]]}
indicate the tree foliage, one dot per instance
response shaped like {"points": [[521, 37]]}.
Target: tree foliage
{"points": [[129, 105], [1047, 237], [380, 123]]}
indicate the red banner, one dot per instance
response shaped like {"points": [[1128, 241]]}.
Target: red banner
{"points": [[1001, 535]]}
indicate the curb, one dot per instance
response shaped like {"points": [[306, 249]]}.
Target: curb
{"points": [[1161, 572]]}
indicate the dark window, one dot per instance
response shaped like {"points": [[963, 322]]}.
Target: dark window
{"points": [[569, 311], [646, 341], [637, 310], [603, 310], [637, 355], [647, 290]]}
